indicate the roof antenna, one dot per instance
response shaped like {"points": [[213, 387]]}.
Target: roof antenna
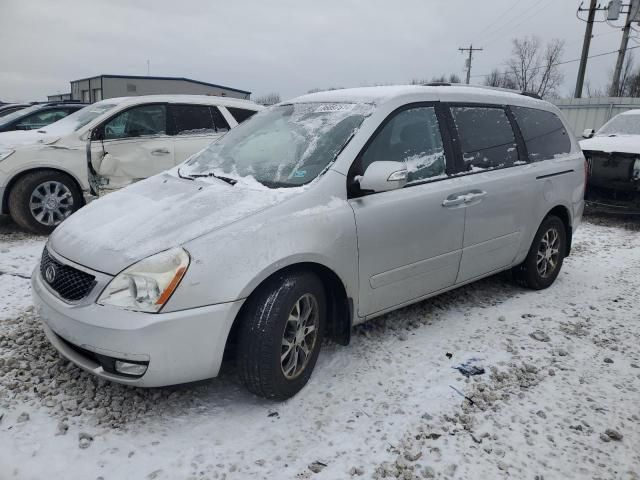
{"points": [[148, 67]]}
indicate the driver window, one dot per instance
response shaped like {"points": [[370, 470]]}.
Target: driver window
{"points": [[139, 121], [411, 137]]}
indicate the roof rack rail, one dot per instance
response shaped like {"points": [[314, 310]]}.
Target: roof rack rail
{"points": [[532, 95], [485, 87]]}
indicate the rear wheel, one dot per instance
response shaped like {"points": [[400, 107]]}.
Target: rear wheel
{"points": [[544, 260], [281, 334], [41, 200]]}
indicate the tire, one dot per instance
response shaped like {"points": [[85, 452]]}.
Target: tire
{"points": [[43, 186], [266, 326], [528, 274]]}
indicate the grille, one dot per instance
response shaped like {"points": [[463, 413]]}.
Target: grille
{"points": [[71, 284]]}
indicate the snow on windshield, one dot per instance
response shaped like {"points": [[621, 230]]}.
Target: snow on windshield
{"points": [[624, 124], [78, 119], [283, 146]]}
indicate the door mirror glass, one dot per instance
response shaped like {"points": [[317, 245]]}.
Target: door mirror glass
{"points": [[97, 134], [588, 133], [382, 176]]}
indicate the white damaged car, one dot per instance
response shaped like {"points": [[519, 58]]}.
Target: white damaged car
{"points": [[47, 174]]}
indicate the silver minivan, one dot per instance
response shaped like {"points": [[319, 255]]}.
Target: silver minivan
{"points": [[313, 216]]}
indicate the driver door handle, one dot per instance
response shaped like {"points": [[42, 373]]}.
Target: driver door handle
{"points": [[160, 151], [454, 200]]}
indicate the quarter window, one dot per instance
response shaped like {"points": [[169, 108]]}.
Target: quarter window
{"points": [[192, 119], [219, 121], [411, 137], [486, 137], [241, 114], [544, 133], [139, 121]]}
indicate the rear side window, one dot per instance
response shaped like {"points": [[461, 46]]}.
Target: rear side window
{"points": [[486, 137], [543, 132], [192, 119], [219, 121], [241, 114], [411, 137]]}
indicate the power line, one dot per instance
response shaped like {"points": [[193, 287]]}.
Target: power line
{"points": [[511, 27], [500, 17], [538, 67]]}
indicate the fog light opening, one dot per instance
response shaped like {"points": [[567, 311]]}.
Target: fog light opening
{"points": [[129, 368]]}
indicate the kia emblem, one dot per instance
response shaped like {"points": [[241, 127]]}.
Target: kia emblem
{"points": [[50, 273]]}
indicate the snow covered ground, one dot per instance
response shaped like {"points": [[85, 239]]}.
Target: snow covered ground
{"points": [[560, 397]]}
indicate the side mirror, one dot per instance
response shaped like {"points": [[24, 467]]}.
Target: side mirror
{"points": [[383, 176], [588, 133], [97, 134]]}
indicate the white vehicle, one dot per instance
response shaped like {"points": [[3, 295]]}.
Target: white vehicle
{"points": [[47, 174], [613, 153], [315, 215]]}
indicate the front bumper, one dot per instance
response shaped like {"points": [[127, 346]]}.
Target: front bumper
{"points": [[179, 347]]}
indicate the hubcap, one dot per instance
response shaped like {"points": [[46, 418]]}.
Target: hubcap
{"points": [[51, 202], [548, 253], [299, 336]]}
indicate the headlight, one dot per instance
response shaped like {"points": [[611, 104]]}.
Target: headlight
{"points": [[6, 154], [147, 285]]}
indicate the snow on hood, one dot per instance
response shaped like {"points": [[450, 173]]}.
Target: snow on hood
{"points": [[18, 138], [620, 143], [153, 215]]}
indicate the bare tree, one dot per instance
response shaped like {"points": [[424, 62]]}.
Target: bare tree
{"points": [[534, 69], [268, 99], [500, 79], [452, 78], [621, 90]]}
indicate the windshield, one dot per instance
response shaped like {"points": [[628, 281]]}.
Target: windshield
{"points": [[624, 124], [283, 146], [78, 119], [18, 113]]}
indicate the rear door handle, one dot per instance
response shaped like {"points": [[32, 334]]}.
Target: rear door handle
{"points": [[160, 151]]}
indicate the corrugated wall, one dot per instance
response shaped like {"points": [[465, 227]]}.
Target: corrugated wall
{"points": [[584, 113]]}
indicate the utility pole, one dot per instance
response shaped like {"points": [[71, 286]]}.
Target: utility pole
{"points": [[585, 49], [470, 50], [631, 15]]}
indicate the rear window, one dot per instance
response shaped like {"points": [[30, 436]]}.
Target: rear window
{"points": [[241, 114], [192, 119], [486, 137], [543, 132]]}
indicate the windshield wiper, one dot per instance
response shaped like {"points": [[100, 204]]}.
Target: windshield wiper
{"points": [[230, 181]]}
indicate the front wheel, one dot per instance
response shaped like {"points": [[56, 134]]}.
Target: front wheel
{"points": [[41, 200], [544, 260], [281, 334]]}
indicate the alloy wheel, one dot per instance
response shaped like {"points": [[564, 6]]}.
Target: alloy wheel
{"points": [[548, 253], [299, 336], [51, 202]]}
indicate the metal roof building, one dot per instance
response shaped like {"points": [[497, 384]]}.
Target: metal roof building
{"points": [[97, 88]]}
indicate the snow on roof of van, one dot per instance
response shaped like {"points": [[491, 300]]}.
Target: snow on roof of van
{"points": [[381, 94], [635, 111]]}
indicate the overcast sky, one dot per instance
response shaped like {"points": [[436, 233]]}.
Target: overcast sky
{"points": [[284, 46]]}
